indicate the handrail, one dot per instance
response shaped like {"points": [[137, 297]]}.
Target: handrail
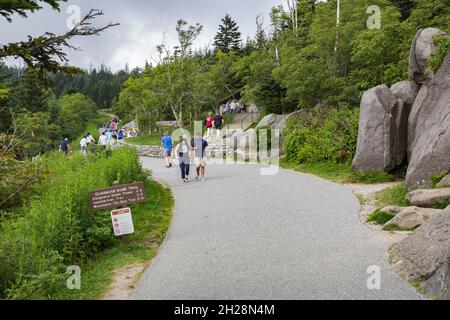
{"points": [[248, 115]]}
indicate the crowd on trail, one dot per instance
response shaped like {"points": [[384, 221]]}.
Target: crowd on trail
{"points": [[110, 136], [233, 107]]}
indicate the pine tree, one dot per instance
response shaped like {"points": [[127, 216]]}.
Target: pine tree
{"points": [[228, 38]]}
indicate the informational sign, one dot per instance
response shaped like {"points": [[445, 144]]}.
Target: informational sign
{"points": [[117, 196], [122, 222]]}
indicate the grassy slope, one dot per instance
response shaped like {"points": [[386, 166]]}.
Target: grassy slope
{"points": [[395, 196], [340, 173], [151, 221]]}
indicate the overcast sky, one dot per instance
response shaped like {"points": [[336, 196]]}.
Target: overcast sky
{"points": [[143, 23]]}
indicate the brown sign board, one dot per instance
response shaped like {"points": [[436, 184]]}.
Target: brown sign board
{"points": [[117, 196], [168, 124]]}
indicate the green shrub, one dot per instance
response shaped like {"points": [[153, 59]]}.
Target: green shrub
{"points": [[58, 229], [379, 217], [325, 135], [443, 44]]}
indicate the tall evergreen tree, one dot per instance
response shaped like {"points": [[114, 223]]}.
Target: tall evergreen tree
{"points": [[228, 38]]}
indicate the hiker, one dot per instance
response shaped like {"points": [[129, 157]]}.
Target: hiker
{"points": [[90, 139], [121, 135], [64, 146], [209, 125], [167, 144], [103, 140], [84, 144], [182, 153], [199, 146], [109, 137], [218, 124], [113, 125]]}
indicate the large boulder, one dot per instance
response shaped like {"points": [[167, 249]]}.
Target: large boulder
{"points": [[281, 125], [431, 149], [268, 120], [405, 92], [445, 182], [374, 148], [424, 256], [413, 118], [429, 197], [410, 217], [422, 50]]}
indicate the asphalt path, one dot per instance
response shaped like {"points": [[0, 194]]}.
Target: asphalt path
{"points": [[244, 235]]}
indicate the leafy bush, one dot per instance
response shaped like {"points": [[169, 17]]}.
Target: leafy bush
{"points": [[58, 229], [325, 135], [443, 44]]}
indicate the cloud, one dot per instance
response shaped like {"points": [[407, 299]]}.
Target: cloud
{"points": [[143, 24]]}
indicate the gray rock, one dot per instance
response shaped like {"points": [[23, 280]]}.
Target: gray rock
{"points": [[413, 117], [422, 50], [285, 120], [248, 140], [411, 217], [268, 120], [393, 210], [431, 149], [444, 183], [424, 256], [405, 92], [374, 139], [429, 197]]}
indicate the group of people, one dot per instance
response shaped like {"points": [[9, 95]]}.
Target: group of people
{"points": [[216, 123], [186, 151], [233, 107]]}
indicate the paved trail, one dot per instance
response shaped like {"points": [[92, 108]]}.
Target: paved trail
{"points": [[246, 236]]}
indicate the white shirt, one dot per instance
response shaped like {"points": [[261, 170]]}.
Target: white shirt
{"points": [[83, 142], [90, 139], [103, 140]]}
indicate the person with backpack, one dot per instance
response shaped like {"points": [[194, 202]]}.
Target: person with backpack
{"points": [[209, 122], [199, 146], [167, 144], [218, 124], [182, 152]]}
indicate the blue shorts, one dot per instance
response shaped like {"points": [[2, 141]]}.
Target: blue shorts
{"points": [[167, 153]]}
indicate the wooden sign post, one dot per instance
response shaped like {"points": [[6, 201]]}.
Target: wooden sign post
{"points": [[117, 197]]}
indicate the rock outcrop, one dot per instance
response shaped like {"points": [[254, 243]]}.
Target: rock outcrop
{"points": [[422, 50], [444, 183], [413, 118], [429, 197], [425, 256], [410, 217], [431, 147], [375, 130], [405, 92]]}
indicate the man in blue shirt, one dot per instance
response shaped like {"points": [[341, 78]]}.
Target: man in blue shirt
{"points": [[167, 144]]}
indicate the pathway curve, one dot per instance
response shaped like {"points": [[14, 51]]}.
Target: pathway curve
{"points": [[242, 235]]}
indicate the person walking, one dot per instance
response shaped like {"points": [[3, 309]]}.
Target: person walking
{"points": [[209, 125], [218, 124], [199, 146], [103, 140], [167, 144], [64, 146], [182, 152], [109, 137], [84, 144]]}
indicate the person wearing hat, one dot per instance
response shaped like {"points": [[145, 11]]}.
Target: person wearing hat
{"points": [[167, 144]]}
